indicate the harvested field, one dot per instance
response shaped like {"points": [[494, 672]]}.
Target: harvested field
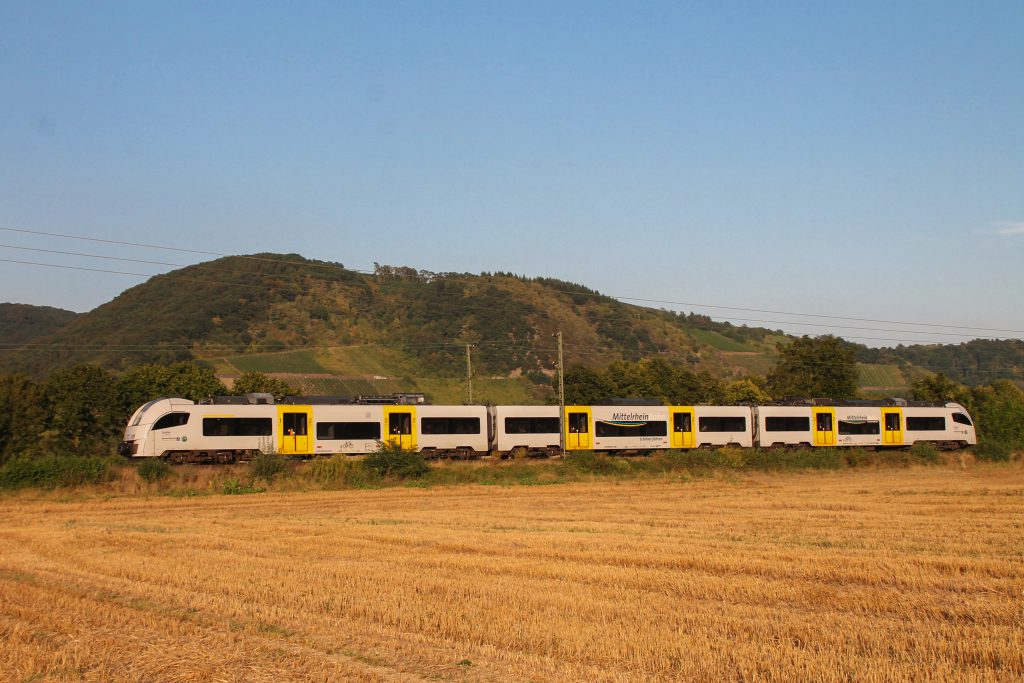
{"points": [[877, 575]]}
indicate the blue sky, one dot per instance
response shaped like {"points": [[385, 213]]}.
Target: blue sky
{"points": [[863, 160]]}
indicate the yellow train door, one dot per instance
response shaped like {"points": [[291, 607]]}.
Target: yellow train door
{"points": [[578, 428], [293, 426], [824, 426], [400, 426], [682, 427], [892, 427]]}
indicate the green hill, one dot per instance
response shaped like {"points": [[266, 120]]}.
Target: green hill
{"points": [[284, 313], [24, 324], [332, 330]]}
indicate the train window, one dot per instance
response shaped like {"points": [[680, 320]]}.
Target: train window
{"points": [[531, 425], [859, 427], [450, 425], [294, 424], [142, 411], [960, 418], [682, 422], [338, 431], [926, 424], [892, 422], [171, 420], [723, 424], [651, 428], [238, 426], [787, 424], [578, 423], [824, 422], [400, 423]]}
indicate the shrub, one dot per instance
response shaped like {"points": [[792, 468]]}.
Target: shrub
{"points": [[154, 469], [595, 463], [394, 461], [52, 471], [266, 466], [730, 458], [995, 451], [925, 452], [234, 487], [339, 471]]}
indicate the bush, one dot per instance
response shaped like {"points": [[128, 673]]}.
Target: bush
{"points": [[595, 463], [995, 451], [237, 488], [925, 452], [266, 466], [391, 460], [154, 469], [52, 471], [339, 471]]}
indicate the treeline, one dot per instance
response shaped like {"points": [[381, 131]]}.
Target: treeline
{"points": [[83, 410], [976, 362]]}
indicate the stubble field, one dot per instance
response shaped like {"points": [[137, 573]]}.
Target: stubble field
{"points": [[881, 575]]}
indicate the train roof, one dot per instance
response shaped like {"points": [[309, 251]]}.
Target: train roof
{"points": [[859, 403]]}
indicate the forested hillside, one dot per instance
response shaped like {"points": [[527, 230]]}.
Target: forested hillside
{"points": [[417, 323], [975, 362], [23, 324], [333, 330]]}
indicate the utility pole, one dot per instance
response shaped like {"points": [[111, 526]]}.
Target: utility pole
{"points": [[469, 372], [561, 396]]}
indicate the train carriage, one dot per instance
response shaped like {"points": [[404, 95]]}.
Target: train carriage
{"points": [[723, 426], [949, 426], [864, 424], [525, 430], [451, 430], [616, 427]]}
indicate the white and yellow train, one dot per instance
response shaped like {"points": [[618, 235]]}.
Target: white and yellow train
{"points": [[181, 430]]}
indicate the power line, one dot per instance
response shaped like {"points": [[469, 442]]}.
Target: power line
{"points": [[108, 258], [178, 249], [120, 272]]}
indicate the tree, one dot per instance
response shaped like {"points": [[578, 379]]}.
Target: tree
{"points": [[583, 386], [84, 408], [183, 380], [746, 391], [257, 383], [999, 413], [22, 414], [938, 387], [815, 367], [649, 378]]}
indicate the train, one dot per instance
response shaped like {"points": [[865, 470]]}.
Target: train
{"points": [[228, 429]]}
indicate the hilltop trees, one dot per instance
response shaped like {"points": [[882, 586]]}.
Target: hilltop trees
{"points": [[818, 367]]}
